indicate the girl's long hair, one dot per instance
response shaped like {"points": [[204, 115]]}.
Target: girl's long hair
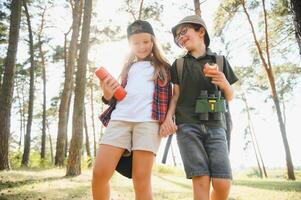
{"points": [[156, 58]]}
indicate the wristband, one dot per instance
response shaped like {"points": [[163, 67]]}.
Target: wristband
{"points": [[104, 100]]}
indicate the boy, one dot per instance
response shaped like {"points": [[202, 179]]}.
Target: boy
{"points": [[202, 142]]}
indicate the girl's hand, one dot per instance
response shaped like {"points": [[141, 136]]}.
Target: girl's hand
{"points": [[168, 127], [109, 86], [218, 78]]}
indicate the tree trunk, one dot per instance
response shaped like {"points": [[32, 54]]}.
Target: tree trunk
{"points": [[18, 97], [42, 56], [140, 9], [50, 142], [93, 117], [296, 8], [268, 68], [74, 158], [61, 145], [197, 8], [87, 135], [261, 167], [8, 82], [26, 153]]}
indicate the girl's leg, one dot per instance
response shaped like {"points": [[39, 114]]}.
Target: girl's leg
{"points": [[201, 187], [220, 189], [106, 161], [142, 167]]}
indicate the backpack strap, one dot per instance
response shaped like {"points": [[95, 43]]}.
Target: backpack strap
{"points": [[179, 67], [220, 62]]}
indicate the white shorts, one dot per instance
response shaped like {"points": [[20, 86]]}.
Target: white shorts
{"points": [[133, 136]]}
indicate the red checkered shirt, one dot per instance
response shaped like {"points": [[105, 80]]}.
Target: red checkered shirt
{"points": [[161, 98]]}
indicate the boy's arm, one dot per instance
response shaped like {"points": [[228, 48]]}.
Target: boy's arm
{"points": [[168, 126], [228, 91], [220, 80]]}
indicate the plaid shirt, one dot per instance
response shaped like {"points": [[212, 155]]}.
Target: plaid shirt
{"points": [[161, 98]]}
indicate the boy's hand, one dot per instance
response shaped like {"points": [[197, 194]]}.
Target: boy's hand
{"points": [[218, 78], [168, 127], [109, 86]]}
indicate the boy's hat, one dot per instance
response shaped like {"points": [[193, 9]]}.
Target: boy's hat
{"points": [[139, 26], [193, 19]]}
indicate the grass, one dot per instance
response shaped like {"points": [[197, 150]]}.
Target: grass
{"points": [[168, 183]]}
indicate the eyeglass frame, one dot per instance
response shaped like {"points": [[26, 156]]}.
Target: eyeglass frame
{"points": [[182, 32], [196, 27]]}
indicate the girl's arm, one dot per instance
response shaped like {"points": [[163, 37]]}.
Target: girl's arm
{"points": [[109, 86], [168, 126]]}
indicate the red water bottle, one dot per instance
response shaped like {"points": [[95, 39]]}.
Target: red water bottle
{"points": [[102, 73]]}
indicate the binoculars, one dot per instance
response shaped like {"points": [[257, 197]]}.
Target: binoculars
{"points": [[210, 106], [102, 73]]}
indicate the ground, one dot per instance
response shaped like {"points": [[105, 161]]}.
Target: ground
{"points": [[168, 184]]}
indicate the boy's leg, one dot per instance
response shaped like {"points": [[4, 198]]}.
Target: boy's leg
{"points": [[194, 156], [201, 187], [220, 189], [142, 167], [220, 168], [105, 164]]}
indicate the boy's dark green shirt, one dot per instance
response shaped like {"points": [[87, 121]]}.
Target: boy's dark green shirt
{"points": [[193, 81]]}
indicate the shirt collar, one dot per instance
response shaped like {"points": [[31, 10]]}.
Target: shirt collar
{"points": [[208, 53]]}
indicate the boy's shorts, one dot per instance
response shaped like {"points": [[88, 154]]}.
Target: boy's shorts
{"points": [[204, 151], [133, 136]]}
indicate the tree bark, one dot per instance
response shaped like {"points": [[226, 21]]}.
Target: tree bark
{"points": [[140, 9], [18, 97], [50, 142], [42, 56], [8, 82], [61, 144], [74, 158], [26, 152], [87, 135], [197, 8], [93, 117]]}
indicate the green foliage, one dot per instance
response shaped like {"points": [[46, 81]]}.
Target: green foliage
{"points": [[35, 161], [226, 11], [15, 159], [87, 163], [165, 169], [280, 8], [4, 7], [58, 54], [253, 173], [287, 77]]}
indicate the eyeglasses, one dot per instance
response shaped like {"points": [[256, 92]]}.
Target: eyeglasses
{"points": [[182, 32]]}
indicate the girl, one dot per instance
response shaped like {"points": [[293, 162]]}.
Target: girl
{"points": [[134, 121]]}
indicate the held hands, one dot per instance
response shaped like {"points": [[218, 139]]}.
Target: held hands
{"points": [[217, 77], [109, 86], [168, 127]]}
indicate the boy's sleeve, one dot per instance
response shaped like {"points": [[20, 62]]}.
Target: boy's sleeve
{"points": [[229, 73], [174, 73]]}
